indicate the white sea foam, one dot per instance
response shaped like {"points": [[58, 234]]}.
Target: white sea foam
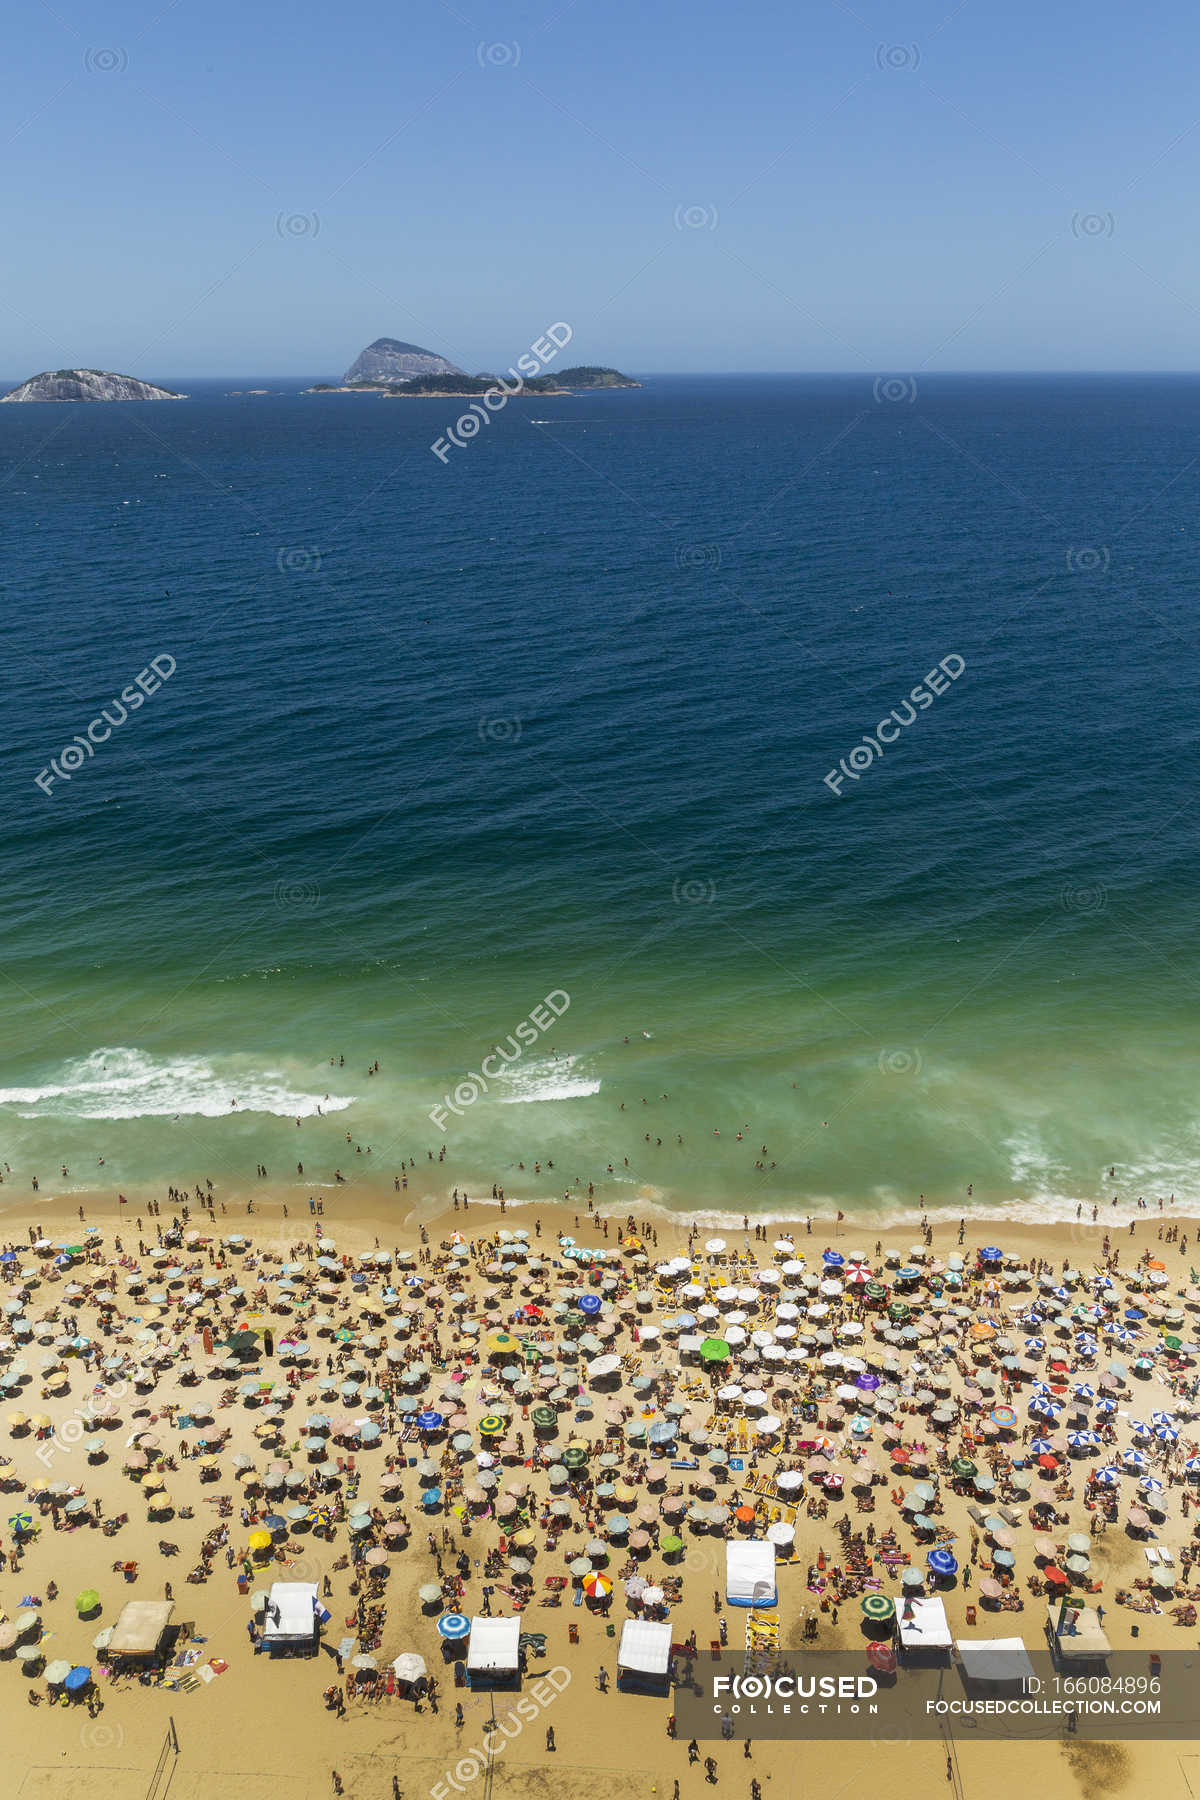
{"points": [[554, 1078], [120, 1083]]}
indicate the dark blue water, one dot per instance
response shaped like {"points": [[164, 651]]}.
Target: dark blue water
{"points": [[557, 714]]}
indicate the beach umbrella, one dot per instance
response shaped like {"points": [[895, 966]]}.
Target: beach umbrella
{"points": [[454, 1626], [942, 1562], [878, 1608], [597, 1586], [21, 1522], [714, 1350], [882, 1657], [87, 1602]]}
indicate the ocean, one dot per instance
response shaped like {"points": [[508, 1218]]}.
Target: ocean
{"points": [[423, 742]]}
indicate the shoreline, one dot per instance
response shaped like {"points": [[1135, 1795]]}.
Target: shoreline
{"points": [[367, 1221], [377, 1200]]}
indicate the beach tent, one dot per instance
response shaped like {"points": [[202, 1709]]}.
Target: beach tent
{"points": [[140, 1628], [923, 1624], [1081, 1638], [644, 1656], [494, 1655], [292, 1619], [750, 1574], [994, 1659]]}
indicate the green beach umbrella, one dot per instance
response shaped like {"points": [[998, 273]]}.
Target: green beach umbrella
{"points": [[574, 1458], [897, 1310], [714, 1350], [492, 1425], [88, 1601], [962, 1465], [544, 1417], [671, 1546], [875, 1290], [879, 1607]]}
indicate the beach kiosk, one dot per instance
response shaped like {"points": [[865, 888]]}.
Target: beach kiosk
{"points": [[924, 1629], [140, 1632], [644, 1657], [292, 1619], [1076, 1639], [750, 1573], [494, 1653]]}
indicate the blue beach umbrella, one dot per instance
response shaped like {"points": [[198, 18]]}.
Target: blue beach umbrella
{"points": [[428, 1421], [990, 1254], [589, 1303], [78, 1679], [942, 1562], [833, 1259], [453, 1626]]}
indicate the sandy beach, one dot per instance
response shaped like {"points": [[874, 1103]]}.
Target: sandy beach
{"points": [[122, 1359]]}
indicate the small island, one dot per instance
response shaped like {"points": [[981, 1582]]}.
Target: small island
{"points": [[87, 384], [583, 378]]}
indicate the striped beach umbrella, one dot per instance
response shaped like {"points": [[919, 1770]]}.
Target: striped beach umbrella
{"points": [[454, 1626], [879, 1608], [597, 1586]]}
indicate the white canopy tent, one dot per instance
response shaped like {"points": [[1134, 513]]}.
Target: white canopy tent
{"points": [[644, 1653], [923, 1624], [994, 1659], [494, 1653], [750, 1574], [290, 1619]]}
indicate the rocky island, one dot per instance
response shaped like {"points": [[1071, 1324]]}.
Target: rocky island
{"points": [[387, 360], [87, 384], [398, 371]]}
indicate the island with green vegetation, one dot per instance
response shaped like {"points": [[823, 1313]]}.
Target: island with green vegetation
{"points": [[583, 378]]}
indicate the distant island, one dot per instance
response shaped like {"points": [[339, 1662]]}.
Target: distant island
{"points": [[581, 378], [87, 384], [387, 360]]}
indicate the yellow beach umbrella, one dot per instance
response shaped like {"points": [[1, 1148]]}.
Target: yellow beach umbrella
{"points": [[260, 1540], [151, 1483], [17, 1420], [40, 1421]]}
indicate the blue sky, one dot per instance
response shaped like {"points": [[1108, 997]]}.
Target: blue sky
{"points": [[210, 189]]}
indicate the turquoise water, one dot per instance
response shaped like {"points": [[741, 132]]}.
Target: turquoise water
{"points": [[556, 718]]}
